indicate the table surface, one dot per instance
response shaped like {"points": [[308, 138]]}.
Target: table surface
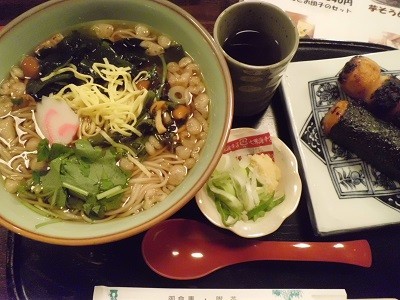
{"points": [[207, 15]]}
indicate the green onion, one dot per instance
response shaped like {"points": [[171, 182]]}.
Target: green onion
{"points": [[240, 190]]}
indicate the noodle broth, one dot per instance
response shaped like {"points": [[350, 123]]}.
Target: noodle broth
{"points": [[101, 122]]}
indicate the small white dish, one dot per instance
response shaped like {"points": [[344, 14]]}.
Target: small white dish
{"points": [[290, 185]]}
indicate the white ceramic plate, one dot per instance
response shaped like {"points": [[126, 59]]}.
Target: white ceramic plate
{"points": [[346, 194], [290, 185]]}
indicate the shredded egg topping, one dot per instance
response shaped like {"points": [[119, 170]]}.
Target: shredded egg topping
{"points": [[113, 106]]}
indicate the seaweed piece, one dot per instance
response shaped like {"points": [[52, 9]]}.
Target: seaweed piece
{"points": [[38, 88], [130, 50], [68, 50], [83, 51], [385, 99], [138, 145], [104, 50], [174, 53], [372, 139]]}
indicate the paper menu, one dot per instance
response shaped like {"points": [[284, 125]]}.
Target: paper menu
{"points": [[372, 21]]}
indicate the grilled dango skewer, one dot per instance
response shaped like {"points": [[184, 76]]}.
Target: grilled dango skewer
{"points": [[361, 79]]}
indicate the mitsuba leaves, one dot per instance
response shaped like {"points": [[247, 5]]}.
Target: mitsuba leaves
{"points": [[85, 151], [52, 185], [44, 152], [77, 175]]}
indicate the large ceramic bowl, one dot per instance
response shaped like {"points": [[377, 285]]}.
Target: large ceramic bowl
{"points": [[26, 31]]}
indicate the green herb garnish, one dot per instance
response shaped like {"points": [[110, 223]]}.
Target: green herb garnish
{"points": [[81, 176]]}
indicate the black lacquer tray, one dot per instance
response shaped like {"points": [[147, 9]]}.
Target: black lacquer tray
{"points": [[42, 271]]}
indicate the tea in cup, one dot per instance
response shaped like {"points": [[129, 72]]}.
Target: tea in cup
{"points": [[258, 40]]}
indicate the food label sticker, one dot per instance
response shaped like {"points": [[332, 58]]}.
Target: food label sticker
{"points": [[249, 145]]}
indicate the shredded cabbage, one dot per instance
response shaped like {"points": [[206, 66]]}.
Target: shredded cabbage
{"points": [[244, 189]]}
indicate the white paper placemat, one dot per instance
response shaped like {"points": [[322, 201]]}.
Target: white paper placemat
{"points": [[125, 293], [134, 293]]}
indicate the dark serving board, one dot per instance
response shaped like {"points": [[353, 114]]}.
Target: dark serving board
{"points": [[42, 271]]}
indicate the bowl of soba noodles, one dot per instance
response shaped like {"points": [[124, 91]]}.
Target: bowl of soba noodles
{"points": [[113, 114]]}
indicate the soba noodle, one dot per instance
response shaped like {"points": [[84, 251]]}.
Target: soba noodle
{"points": [[109, 111]]}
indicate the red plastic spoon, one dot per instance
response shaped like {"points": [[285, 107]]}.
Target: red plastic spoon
{"points": [[187, 249]]}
